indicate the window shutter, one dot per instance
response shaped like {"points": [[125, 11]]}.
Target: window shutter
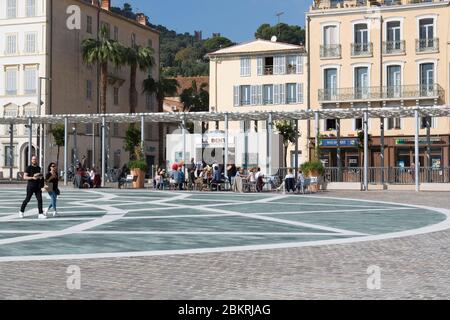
{"points": [[254, 95], [433, 122], [276, 94], [282, 65], [260, 66], [282, 94], [260, 89], [354, 125], [299, 67], [299, 92], [236, 97], [402, 123], [276, 65]]}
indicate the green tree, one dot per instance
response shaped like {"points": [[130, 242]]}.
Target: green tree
{"points": [[161, 89], [195, 99], [102, 51], [58, 134], [287, 130], [217, 43], [285, 33], [137, 57], [132, 140]]}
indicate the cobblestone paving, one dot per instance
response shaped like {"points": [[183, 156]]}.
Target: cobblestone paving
{"points": [[415, 267]]}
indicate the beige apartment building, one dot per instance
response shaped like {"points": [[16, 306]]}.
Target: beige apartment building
{"points": [[74, 87], [259, 76], [386, 53]]}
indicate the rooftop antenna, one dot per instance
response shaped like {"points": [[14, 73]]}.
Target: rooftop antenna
{"points": [[279, 14]]}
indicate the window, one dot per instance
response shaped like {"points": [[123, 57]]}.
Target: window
{"points": [[394, 123], [361, 82], [108, 29], [148, 102], [426, 40], [245, 67], [291, 93], [245, 95], [88, 129], [393, 36], [116, 96], [30, 80], [361, 44], [330, 83], [30, 8], [9, 156], [357, 124], [428, 121], [150, 43], [11, 9], [89, 25], [89, 89], [11, 44], [133, 39], [292, 64], [115, 129], [11, 81], [330, 124], [116, 33], [30, 42], [268, 94], [279, 65], [331, 47], [394, 81], [427, 79]]}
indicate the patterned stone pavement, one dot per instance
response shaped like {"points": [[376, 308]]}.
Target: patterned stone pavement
{"points": [[414, 267]]}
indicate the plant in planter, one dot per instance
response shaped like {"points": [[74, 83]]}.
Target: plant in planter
{"points": [[313, 169], [137, 164], [138, 168]]}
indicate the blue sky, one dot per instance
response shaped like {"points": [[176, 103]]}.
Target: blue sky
{"points": [[234, 19]]}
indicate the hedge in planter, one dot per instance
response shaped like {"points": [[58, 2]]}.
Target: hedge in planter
{"points": [[313, 167]]}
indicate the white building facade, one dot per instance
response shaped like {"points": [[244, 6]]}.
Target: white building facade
{"points": [[22, 62]]}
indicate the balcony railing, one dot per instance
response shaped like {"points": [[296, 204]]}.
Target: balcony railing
{"points": [[427, 45], [394, 47], [434, 91], [330, 51], [336, 4], [362, 49]]}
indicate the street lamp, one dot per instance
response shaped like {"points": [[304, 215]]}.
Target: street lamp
{"points": [[75, 149], [40, 132]]}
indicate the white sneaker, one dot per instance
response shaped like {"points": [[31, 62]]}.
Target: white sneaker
{"points": [[41, 216], [55, 213], [45, 212], [20, 215]]}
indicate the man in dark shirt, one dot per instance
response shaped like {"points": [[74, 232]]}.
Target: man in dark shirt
{"points": [[35, 183]]}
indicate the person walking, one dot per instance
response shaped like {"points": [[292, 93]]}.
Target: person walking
{"points": [[51, 180], [35, 182]]}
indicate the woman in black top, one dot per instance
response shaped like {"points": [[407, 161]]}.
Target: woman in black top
{"points": [[52, 178]]}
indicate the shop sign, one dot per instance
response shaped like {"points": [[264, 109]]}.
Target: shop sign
{"points": [[409, 141], [343, 142]]}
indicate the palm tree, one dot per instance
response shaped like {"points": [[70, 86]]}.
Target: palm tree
{"points": [[137, 57], [163, 88], [102, 51]]}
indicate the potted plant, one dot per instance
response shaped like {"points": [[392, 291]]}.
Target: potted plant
{"points": [[313, 169], [138, 168]]}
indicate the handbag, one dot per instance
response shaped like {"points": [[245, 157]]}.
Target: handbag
{"points": [[48, 187]]}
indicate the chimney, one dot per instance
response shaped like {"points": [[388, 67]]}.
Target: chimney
{"points": [[141, 18], [106, 5]]}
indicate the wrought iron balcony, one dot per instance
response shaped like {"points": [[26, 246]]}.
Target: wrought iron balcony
{"points": [[330, 51], [394, 47], [408, 92], [362, 49], [427, 45]]}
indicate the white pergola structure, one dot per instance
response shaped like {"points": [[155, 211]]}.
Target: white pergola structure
{"points": [[270, 116]]}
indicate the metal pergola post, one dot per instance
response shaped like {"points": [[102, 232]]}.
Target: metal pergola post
{"points": [[66, 143], [11, 151], [143, 133], [366, 151], [93, 146], [183, 128], [226, 147], [416, 150], [39, 133], [103, 149], [317, 124], [382, 149], [429, 164], [30, 139], [269, 145], [296, 149], [338, 152]]}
